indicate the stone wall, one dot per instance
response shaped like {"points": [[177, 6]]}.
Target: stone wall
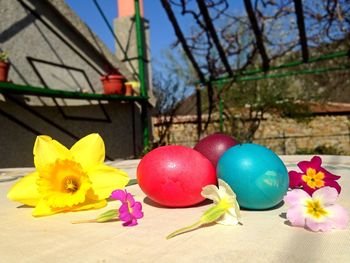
{"points": [[304, 136], [325, 134]]}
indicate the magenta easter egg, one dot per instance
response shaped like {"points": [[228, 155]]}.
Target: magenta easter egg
{"points": [[174, 175], [214, 145]]}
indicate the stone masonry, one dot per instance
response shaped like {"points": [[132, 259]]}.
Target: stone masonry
{"points": [[282, 135]]}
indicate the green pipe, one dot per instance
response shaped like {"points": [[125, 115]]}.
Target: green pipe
{"points": [[270, 76], [284, 74], [108, 25], [298, 63], [140, 48], [283, 66], [294, 73], [142, 78], [7, 87], [221, 108], [125, 55]]}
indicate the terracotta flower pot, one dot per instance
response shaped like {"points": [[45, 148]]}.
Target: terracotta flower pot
{"points": [[128, 89], [4, 70], [113, 84]]}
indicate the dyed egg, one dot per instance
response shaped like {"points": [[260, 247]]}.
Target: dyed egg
{"points": [[256, 174], [213, 146], [175, 175]]}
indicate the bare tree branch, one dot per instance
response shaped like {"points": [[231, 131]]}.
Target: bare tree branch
{"points": [[214, 36], [301, 25], [258, 34], [181, 38]]}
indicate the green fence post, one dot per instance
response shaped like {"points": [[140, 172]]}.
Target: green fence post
{"points": [[141, 64], [221, 107]]}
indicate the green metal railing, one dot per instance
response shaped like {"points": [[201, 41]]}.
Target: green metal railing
{"points": [[142, 76], [99, 9], [242, 74], [7, 87], [287, 74], [141, 64], [221, 81], [325, 57]]}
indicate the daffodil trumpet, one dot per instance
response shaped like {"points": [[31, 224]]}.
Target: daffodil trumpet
{"points": [[68, 180], [225, 210]]}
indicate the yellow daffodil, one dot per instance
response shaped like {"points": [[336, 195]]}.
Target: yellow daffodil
{"points": [[225, 210], [68, 179]]}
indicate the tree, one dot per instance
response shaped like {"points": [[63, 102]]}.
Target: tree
{"points": [[225, 42], [169, 92]]}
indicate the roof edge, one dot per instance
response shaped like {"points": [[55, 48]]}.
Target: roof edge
{"points": [[85, 31]]}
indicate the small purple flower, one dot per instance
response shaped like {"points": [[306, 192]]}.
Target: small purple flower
{"points": [[130, 210]]}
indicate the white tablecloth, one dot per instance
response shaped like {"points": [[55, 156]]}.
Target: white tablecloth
{"points": [[264, 236]]}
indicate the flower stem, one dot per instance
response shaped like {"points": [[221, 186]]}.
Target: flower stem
{"points": [[209, 216], [104, 217], [84, 221], [184, 229]]}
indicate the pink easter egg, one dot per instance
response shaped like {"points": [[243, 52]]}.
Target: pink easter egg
{"points": [[174, 175]]}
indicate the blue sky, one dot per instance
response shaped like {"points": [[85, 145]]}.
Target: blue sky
{"points": [[162, 34], [161, 31]]}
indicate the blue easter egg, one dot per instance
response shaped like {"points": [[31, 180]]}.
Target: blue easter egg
{"points": [[256, 174]]}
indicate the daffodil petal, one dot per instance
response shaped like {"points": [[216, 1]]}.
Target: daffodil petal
{"points": [[47, 151], [89, 151], [90, 204], [43, 209], [105, 179], [25, 190]]}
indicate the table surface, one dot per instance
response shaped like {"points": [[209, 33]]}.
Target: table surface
{"points": [[264, 236]]}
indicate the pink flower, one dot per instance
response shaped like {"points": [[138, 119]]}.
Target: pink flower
{"points": [[130, 210], [313, 176], [319, 212]]}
